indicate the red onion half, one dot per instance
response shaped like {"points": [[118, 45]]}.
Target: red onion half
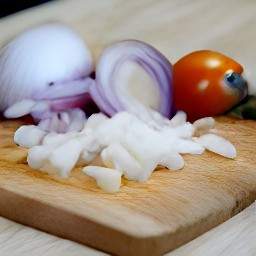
{"points": [[111, 96]]}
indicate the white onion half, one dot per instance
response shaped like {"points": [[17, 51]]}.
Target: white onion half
{"points": [[47, 63]]}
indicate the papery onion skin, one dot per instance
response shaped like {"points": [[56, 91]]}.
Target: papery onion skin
{"points": [[43, 62], [105, 92]]}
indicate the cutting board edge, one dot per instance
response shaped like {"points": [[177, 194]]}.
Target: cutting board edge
{"points": [[126, 244], [57, 225]]}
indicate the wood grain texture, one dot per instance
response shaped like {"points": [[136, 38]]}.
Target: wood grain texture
{"points": [[150, 218]]}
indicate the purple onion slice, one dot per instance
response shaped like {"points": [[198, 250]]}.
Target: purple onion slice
{"points": [[110, 92]]}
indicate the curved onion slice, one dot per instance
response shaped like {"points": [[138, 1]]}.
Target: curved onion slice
{"points": [[217, 144], [112, 97]]}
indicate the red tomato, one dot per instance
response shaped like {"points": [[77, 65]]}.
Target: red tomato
{"points": [[207, 83]]}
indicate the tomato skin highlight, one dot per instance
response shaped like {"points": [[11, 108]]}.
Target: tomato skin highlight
{"points": [[202, 85]]}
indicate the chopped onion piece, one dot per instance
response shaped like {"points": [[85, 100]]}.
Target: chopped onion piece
{"points": [[65, 121], [188, 147], [116, 156], [173, 161], [20, 108], [179, 119], [77, 119], [113, 129], [37, 156], [59, 161], [88, 141], [28, 136], [64, 157], [185, 131], [203, 125], [86, 158], [108, 179], [54, 140], [95, 120], [217, 144]]}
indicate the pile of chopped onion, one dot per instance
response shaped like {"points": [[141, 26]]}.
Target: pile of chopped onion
{"points": [[127, 146]]}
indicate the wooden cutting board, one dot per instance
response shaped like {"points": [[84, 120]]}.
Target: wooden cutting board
{"points": [[150, 218]]}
